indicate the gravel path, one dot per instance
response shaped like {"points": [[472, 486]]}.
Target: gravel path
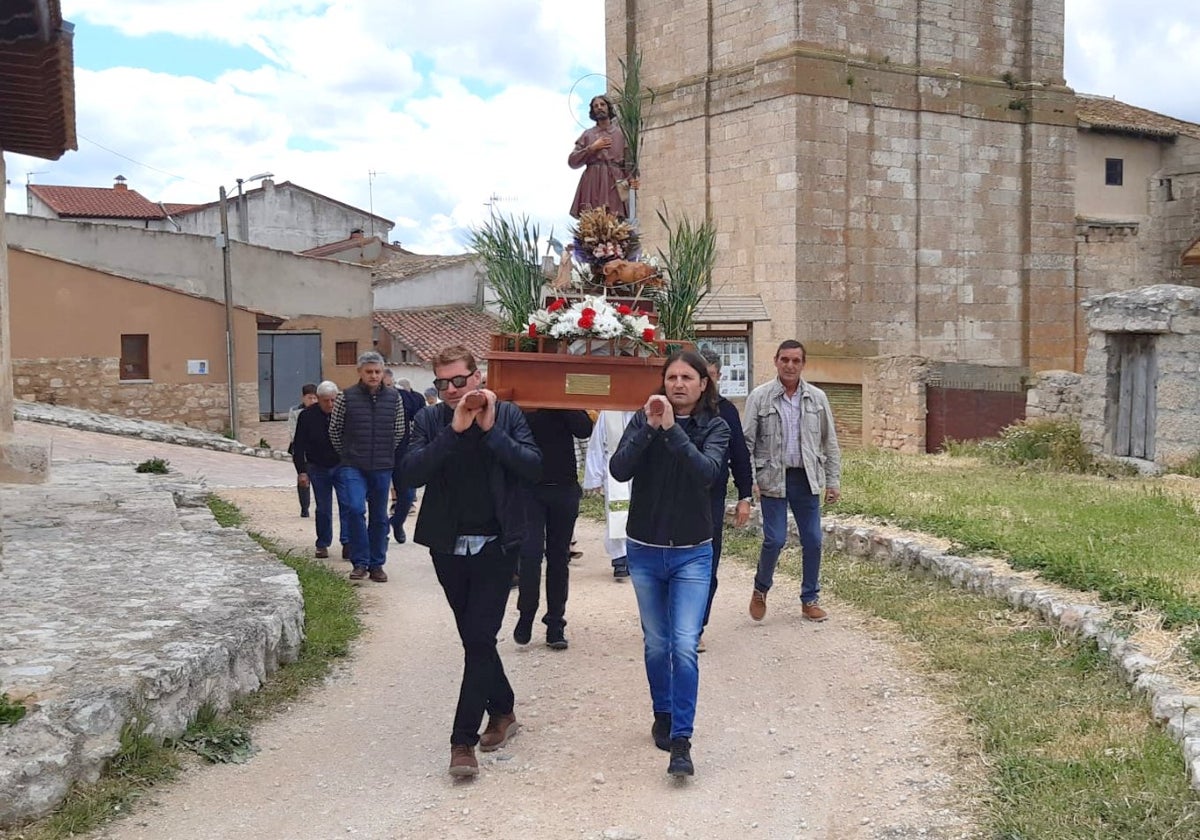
{"points": [[802, 730]]}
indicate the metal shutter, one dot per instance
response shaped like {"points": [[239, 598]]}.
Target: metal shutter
{"points": [[846, 402]]}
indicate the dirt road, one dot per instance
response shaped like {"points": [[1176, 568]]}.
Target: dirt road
{"points": [[802, 730]]}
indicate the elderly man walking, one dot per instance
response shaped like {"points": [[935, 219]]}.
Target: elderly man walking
{"points": [[366, 427], [316, 464], [794, 448]]}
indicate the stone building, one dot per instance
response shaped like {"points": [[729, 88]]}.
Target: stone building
{"points": [[1140, 386], [898, 180], [284, 216]]}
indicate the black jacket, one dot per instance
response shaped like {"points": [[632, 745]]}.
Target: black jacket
{"points": [[738, 459], [673, 471], [367, 427], [430, 459], [554, 431], [311, 445]]}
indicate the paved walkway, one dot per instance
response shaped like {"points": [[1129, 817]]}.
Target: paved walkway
{"points": [[120, 596]]}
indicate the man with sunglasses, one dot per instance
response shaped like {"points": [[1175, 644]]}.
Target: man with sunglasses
{"points": [[366, 427], [473, 453]]}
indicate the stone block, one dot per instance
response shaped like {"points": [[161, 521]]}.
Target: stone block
{"points": [[23, 461]]}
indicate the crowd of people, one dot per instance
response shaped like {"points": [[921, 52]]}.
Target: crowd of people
{"points": [[501, 494]]}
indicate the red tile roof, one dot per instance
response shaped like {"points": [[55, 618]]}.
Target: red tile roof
{"points": [[97, 202], [404, 266], [427, 331], [1101, 113]]}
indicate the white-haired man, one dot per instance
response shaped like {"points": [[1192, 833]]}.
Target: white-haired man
{"points": [[316, 464]]}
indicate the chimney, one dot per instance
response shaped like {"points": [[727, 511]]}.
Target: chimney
{"points": [[119, 183]]}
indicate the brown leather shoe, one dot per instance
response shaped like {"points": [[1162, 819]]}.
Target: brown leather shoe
{"points": [[813, 612], [322, 553], [758, 605], [359, 573], [377, 574], [462, 760], [499, 729]]}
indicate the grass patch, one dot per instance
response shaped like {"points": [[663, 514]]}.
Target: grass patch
{"points": [[331, 623], [1190, 467], [1132, 543], [1069, 751], [158, 466], [11, 710], [591, 506]]}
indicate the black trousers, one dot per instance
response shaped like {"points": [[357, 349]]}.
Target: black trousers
{"points": [[718, 518], [305, 496], [477, 588], [551, 511]]}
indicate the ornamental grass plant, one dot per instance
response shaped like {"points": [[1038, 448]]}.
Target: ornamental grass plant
{"points": [[689, 260], [509, 249]]}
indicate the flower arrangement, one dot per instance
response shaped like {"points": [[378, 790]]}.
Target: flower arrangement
{"points": [[600, 236], [590, 317]]}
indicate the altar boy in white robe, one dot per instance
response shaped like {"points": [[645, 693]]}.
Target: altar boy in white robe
{"points": [[606, 435]]}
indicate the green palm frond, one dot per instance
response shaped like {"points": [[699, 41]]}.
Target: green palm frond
{"points": [[510, 251]]}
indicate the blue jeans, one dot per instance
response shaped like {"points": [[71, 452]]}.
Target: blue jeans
{"points": [[365, 493], [406, 497], [671, 585], [806, 508], [321, 481]]}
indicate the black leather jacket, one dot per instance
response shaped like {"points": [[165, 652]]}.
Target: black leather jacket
{"points": [[672, 473], [516, 460]]}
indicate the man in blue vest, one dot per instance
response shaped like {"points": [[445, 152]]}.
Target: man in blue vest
{"points": [[366, 427]]}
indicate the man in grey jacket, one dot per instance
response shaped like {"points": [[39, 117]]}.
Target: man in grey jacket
{"points": [[794, 452]]}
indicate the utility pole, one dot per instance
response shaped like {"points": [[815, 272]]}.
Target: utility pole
{"points": [[229, 348]]}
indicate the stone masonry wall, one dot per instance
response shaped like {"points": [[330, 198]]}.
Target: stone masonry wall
{"points": [[1054, 395], [1172, 314], [894, 402], [94, 384], [893, 178]]}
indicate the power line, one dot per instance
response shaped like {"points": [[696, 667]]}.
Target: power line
{"points": [[137, 162]]}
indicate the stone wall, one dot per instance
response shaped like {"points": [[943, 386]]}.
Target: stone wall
{"points": [[93, 384], [1054, 395], [894, 402], [1172, 315], [888, 187]]}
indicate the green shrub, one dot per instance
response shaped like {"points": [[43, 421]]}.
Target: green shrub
{"points": [[11, 711], [1054, 443], [153, 465]]}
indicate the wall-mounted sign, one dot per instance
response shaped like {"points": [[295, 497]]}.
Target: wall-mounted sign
{"points": [[198, 366]]}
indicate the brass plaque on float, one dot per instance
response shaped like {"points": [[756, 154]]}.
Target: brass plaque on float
{"points": [[589, 384]]}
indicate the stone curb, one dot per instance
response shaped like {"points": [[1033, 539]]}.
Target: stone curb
{"points": [[1177, 711], [110, 424], [187, 613]]}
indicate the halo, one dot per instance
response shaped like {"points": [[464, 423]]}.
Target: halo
{"points": [[571, 93]]}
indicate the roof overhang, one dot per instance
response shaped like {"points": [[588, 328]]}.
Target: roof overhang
{"points": [[37, 79], [731, 309]]}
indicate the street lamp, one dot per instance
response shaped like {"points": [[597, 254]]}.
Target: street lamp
{"points": [[243, 219], [223, 244]]}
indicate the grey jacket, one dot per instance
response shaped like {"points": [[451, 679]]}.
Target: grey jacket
{"points": [[818, 439]]}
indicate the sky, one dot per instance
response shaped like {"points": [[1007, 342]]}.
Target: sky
{"points": [[427, 113]]}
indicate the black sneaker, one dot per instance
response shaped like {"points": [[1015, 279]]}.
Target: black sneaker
{"points": [[661, 731], [681, 758], [555, 639], [524, 630], [620, 568]]}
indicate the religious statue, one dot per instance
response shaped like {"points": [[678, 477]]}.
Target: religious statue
{"points": [[607, 176]]}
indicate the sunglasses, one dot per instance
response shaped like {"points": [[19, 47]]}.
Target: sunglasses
{"points": [[456, 381]]}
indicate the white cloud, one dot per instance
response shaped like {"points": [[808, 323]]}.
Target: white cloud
{"points": [[448, 103]]}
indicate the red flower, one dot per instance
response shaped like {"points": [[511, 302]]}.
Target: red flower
{"points": [[586, 321], [648, 334], [556, 305], [533, 330], [624, 309], [587, 312]]}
